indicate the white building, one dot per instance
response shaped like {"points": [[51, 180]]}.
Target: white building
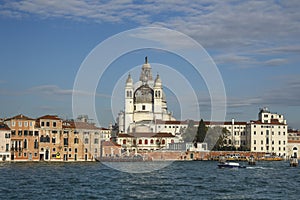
{"points": [[5, 135], [268, 134], [145, 103], [293, 147]]}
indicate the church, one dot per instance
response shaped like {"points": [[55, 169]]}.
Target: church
{"points": [[143, 123], [145, 103]]}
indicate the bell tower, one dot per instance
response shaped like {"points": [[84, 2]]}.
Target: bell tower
{"points": [[158, 94], [129, 108]]}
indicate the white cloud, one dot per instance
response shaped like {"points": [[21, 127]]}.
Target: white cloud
{"points": [[56, 90]]}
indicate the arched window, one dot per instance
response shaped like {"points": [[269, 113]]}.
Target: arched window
{"points": [[124, 141], [127, 93], [140, 141], [146, 141], [25, 144], [295, 149], [134, 142], [163, 142], [172, 141], [151, 141]]}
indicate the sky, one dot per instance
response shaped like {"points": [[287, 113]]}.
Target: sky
{"points": [[255, 46]]}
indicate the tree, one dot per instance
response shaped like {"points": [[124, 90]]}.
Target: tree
{"points": [[201, 133], [190, 132], [215, 138]]}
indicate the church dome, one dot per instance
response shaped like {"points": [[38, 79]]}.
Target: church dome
{"points": [[143, 94]]}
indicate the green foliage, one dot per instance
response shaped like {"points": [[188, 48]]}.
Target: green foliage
{"points": [[190, 132], [201, 133]]}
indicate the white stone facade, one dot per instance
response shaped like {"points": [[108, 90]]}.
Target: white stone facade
{"points": [[268, 134], [145, 102]]}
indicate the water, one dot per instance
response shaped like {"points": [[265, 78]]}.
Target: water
{"points": [[180, 180]]}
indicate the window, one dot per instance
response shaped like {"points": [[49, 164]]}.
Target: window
{"points": [[13, 132], [20, 132], [66, 141], [7, 135], [53, 140], [47, 124], [278, 132], [36, 133], [96, 141], [163, 141], [20, 124], [86, 140], [31, 133], [135, 107], [140, 142], [25, 144], [13, 123], [36, 146], [30, 123], [124, 141], [262, 148], [85, 150], [254, 133], [254, 142], [96, 150], [279, 142], [262, 133], [76, 140], [53, 149], [151, 141], [42, 123], [25, 124], [254, 148], [25, 133], [143, 107], [54, 124], [146, 141], [35, 154], [261, 142], [7, 147], [70, 149]]}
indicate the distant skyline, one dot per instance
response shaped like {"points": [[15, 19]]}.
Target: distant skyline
{"points": [[255, 45]]}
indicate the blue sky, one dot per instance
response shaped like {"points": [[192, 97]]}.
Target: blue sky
{"points": [[255, 45]]}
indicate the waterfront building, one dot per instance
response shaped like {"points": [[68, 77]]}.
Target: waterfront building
{"points": [[52, 140], [84, 139], [236, 132], [293, 146], [146, 124], [268, 134], [5, 142], [24, 138], [145, 102]]}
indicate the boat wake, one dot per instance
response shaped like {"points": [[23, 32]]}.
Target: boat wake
{"points": [[259, 167]]}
